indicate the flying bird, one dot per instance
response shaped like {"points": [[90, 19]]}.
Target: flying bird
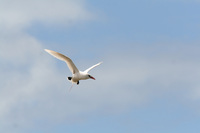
{"points": [[76, 74]]}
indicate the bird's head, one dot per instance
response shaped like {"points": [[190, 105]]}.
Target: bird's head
{"points": [[91, 77]]}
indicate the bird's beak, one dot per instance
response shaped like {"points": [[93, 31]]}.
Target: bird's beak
{"points": [[92, 77]]}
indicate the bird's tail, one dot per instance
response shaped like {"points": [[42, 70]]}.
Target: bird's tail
{"points": [[71, 87]]}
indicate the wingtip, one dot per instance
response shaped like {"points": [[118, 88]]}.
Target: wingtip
{"points": [[46, 50]]}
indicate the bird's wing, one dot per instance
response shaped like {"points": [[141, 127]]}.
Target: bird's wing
{"points": [[64, 58], [86, 71]]}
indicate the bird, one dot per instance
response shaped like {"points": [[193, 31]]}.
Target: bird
{"points": [[76, 74]]}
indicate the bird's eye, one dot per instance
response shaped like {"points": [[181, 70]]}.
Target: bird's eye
{"points": [[89, 76]]}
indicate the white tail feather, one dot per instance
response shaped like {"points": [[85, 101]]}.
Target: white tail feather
{"points": [[71, 87]]}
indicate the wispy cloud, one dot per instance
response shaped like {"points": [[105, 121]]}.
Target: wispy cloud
{"points": [[27, 75], [124, 80], [23, 13]]}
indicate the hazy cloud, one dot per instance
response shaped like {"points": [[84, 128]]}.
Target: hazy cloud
{"points": [[27, 76], [23, 13]]}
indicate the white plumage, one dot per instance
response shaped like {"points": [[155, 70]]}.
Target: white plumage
{"points": [[76, 74]]}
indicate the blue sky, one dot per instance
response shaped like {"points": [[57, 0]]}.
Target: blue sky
{"points": [[148, 82]]}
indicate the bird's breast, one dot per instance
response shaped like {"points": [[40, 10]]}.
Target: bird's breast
{"points": [[80, 76]]}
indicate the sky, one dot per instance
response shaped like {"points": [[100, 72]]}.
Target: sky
{"points": [[148, 82]]}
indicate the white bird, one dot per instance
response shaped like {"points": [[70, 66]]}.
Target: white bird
{"points": [[76, 74]]}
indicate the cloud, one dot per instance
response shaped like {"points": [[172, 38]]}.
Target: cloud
{"points": [[155, 70], [35, 91], [28, 77], [23, 13]]}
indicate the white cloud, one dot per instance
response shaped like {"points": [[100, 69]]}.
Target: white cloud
{"points": [[29, 81], [39, 92], [22, 13]]}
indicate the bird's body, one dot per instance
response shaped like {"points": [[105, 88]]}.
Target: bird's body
{"points": [[76, 74], [79, 76]]}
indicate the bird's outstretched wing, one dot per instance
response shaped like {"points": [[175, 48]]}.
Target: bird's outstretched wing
{"points": [[64, 58], [86, 71]]}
